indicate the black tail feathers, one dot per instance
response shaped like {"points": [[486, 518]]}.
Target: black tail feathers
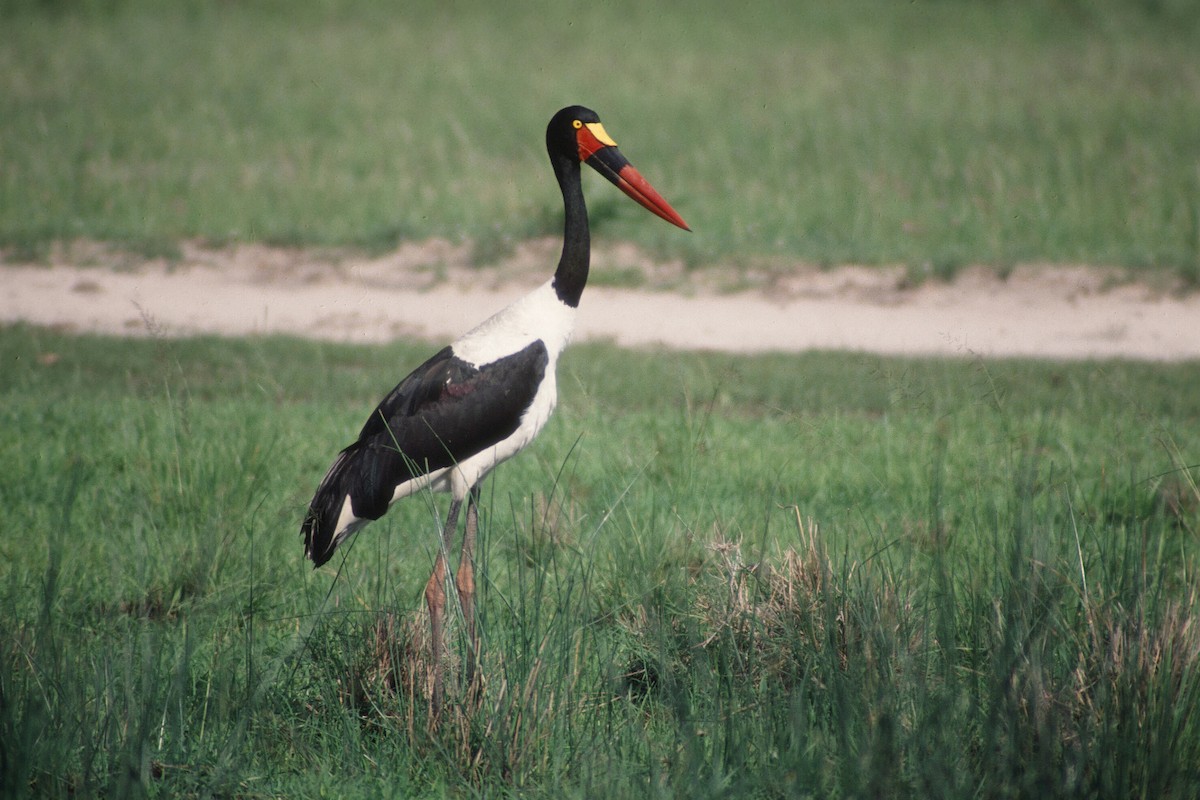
{"points": [[365, 475], [319, 528]]}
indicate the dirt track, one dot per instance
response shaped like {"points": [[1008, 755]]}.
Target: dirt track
{"points": [[429, 291]]}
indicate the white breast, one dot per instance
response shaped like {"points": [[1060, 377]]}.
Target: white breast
{"points": [[537, 315]]}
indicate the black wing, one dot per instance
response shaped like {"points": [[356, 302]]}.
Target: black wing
{"points": [[444, 412]]}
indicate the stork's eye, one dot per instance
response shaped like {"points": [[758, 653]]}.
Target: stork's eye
{"points": [[576, 124]]}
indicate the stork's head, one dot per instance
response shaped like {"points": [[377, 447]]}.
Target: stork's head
{"points": [[575, 133]]}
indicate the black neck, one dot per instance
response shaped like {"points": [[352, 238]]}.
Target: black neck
{"points": [[572, 273]]}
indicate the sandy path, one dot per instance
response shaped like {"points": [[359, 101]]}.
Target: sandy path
{"points": [[426, 292]]}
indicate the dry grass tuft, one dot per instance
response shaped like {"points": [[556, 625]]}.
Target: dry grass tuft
{"points": [[393, 676]]}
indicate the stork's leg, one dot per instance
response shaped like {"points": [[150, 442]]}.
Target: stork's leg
{"points": [[464, 581], [435, 598]]}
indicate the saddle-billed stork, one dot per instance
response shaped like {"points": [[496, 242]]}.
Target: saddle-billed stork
{"points": [[481, 400]]}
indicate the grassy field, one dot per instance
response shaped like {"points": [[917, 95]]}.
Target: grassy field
{"points": [[823, 575], [932, 133], [820, 575]]}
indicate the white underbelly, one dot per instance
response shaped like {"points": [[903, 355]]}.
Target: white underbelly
{"points": [[474, 469]]}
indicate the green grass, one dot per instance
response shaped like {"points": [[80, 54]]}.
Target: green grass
{"points": [[821, 575], [713, 576], [933, 133]]}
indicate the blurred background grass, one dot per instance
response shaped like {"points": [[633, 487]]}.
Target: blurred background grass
{"points": [[933, 134]]}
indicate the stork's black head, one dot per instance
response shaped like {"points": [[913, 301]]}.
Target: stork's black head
{"points": [[576, 135], [561, 138]]}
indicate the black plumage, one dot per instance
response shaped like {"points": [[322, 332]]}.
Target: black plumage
{"points": [[444, 412]]}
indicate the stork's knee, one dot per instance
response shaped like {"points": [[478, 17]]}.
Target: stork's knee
{"points": [[435, 588], [464, 581]]}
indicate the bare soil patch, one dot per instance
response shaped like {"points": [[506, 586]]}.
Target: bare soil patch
{"points": [[432, 291]]}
